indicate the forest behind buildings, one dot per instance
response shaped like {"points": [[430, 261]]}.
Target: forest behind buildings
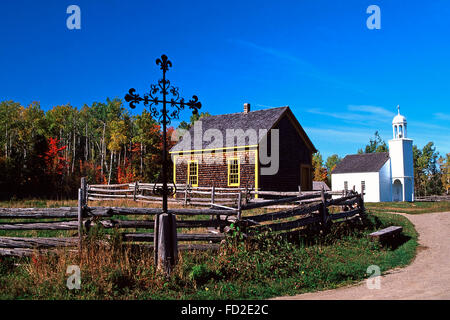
{"points": [[43, 154]]}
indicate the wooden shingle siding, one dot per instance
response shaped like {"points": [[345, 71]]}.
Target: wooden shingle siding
{"points": [[217, 173], [295, 152]]}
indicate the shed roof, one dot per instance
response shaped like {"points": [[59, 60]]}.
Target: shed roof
{"points": [[367, 162], [256, 120], [317, 186]]}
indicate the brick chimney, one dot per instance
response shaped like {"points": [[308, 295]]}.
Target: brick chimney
{"points": [[246, 108]]}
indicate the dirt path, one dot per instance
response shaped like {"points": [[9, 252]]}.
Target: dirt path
{"points": [[428, 276]]}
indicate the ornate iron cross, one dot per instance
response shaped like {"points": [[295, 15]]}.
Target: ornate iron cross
{"points": [[151, 100]]}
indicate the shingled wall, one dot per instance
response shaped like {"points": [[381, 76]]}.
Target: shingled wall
{"points": [[213, 168]]}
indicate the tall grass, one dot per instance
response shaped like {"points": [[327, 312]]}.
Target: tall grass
{"points": [[268, 266]]}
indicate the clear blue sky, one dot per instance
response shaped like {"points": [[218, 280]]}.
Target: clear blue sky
{"points": [[342, 80]]}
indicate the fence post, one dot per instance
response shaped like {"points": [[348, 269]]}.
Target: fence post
{"points": [[80, 218], [135, 190], [82, 201], [299, 191], [247, 194], [239, 206], [213, 190], [324, 211], [362, 190], [185, 194], [362, 209], [84, 190]]}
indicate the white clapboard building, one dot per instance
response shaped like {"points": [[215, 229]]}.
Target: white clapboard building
{"points": [[384, 176]]}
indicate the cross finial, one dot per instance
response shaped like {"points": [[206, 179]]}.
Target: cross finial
{"points": [[398, 108]]}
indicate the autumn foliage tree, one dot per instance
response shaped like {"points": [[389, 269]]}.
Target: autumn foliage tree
{"points": [[330, 164], [320, 171], [444, 163], [55, 162], [427, 174], [40, 150]]}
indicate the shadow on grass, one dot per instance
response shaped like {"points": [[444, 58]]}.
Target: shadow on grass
{"points": [[394, 243]]}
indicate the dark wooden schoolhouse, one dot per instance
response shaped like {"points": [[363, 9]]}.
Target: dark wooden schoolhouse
{"points": [[204, 156]]}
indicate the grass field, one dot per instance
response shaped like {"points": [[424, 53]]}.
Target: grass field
{"points": [[409, 207], [261, 269]]}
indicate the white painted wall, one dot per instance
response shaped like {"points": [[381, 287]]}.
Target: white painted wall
{"points": [[385, 182], [408, 158], [401, 155], [409, 189], [372, 180]]}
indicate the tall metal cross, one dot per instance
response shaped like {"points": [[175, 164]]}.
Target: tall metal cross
{"points": [[151, 100]]}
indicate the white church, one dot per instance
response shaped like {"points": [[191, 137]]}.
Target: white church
{"points": [[384, 176]]}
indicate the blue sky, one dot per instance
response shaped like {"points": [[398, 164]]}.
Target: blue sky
{"points": [[342, 80]]}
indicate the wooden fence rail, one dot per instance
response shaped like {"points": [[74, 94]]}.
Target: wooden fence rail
{"points": [[38, 213], [210, 224], [316, 212], [188, 195], [434, 198]]}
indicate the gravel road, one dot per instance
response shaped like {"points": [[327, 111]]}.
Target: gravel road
{"points": [[427, 277]]}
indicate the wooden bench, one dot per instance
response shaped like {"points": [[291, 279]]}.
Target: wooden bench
{"points": [[388, 233]]}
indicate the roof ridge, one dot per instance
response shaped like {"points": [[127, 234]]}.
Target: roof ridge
{"points": [[227, 114], [256, 120], [354, 163], [369, 153]]}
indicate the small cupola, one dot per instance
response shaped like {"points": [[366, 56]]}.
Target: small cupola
{"points": [[399, 125]]}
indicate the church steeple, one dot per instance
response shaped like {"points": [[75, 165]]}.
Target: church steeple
{"points": [[399, 126], [402, 165]]}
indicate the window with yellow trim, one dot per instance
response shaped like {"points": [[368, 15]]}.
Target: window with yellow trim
{"points": [[233, 172], [193, 173]]}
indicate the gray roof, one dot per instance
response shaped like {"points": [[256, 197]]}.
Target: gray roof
{"points": [[256, 120], [367, 162], [317, 186]]}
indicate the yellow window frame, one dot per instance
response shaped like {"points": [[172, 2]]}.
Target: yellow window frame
{"points": [[189, 173], [234, 184]]}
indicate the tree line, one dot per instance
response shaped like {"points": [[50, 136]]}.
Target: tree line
{"points": [[431, 170], [44, 153]]}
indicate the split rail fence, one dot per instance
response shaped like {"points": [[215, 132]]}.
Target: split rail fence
{"points": [[144, 192], [434, 198], [197, 228]]}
